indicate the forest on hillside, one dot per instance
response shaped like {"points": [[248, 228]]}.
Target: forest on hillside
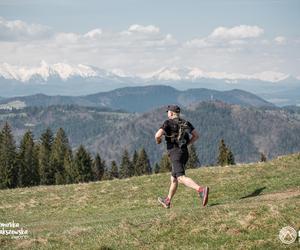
{"points": [[249, 131], [51, 161]]}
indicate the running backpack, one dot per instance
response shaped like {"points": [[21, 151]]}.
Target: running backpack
{"points": [[180, 138]]}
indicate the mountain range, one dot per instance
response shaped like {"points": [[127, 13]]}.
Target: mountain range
{"points": [[73, 80], [139, 99]]}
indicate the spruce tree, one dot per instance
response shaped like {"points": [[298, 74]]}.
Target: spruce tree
{"points": [[143, 164], [126, 166], [106, 174], [8, 167], [59, 147], [46, 169], [222, 157], [225, 156], [114, 172], [83, 165], [165, 164], [98, 168], [134, 162], [28, 174], [230, 157], [71, 173], [193, 161]]}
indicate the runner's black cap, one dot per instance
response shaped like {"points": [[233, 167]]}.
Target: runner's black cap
{"points": [[173, 108]]}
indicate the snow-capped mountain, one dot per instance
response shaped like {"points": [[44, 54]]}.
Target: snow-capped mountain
{"points": [[45, 71], [65, 71], [58, 78], [193, 74], [67, 79]]}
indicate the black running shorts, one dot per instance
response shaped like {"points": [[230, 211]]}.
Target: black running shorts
{"points": [[179, 158]]}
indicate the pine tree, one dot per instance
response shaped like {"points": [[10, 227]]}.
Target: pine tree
{"points": [[156, 168], [226, 156], [8, 167], [58, 151], [165, 164], [193, 161], [28, 174], [222, 158], [106, 174], [83, 165], [114, 172], [71, 175], [46, 170], [98, 168], [143, 164], [230, 157], [126, 166], [134, 162]]}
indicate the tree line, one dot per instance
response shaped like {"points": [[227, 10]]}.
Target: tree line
{"points": [[51, 161]]}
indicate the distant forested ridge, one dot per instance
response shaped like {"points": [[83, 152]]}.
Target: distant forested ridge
{"points": [[248, 131]]}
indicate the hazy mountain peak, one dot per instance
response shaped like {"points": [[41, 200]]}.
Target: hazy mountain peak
{"points": [[195, 73], [177, 74], [65, 71]]}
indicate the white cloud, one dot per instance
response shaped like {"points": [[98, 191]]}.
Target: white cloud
{"points": [[198, 43], [18, 30], [93, 34], [232, 38], [143, 36], [238, 42], [237, 32], [280, 40], [150, 29], [66, 38]]}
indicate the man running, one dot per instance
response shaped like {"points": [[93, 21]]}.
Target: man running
{"points": [[177, 133]]}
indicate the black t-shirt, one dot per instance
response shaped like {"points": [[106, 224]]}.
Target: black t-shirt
{"points": [[171, 127]]}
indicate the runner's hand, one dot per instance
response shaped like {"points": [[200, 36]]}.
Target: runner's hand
{"points": [[158, 140]]}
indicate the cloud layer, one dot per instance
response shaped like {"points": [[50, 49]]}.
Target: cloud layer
{"points": [[238, 32], [18, 30], [142, 49]]}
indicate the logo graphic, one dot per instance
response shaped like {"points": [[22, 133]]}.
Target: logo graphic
{"points": [[287, 235], [13, 229]]}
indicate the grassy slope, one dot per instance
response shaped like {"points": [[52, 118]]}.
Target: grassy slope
{"points": [[124, 214]]}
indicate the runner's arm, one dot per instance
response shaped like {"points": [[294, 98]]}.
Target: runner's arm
{"points": [[195, 136], [158, 135]]}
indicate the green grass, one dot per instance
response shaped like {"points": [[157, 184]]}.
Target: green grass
{"points": [[124, 214]]}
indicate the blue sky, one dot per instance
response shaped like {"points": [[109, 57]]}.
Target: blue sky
{"points": [[139, 37], [185, 19]]}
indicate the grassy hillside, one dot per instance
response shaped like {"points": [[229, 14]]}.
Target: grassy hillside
{"points": [[248, 206]]}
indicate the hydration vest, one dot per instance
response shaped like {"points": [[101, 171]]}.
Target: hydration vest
{"points": [[181, 136]]}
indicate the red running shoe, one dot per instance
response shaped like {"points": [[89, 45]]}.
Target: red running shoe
{"points": [[164, 202], [204, 195]]}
